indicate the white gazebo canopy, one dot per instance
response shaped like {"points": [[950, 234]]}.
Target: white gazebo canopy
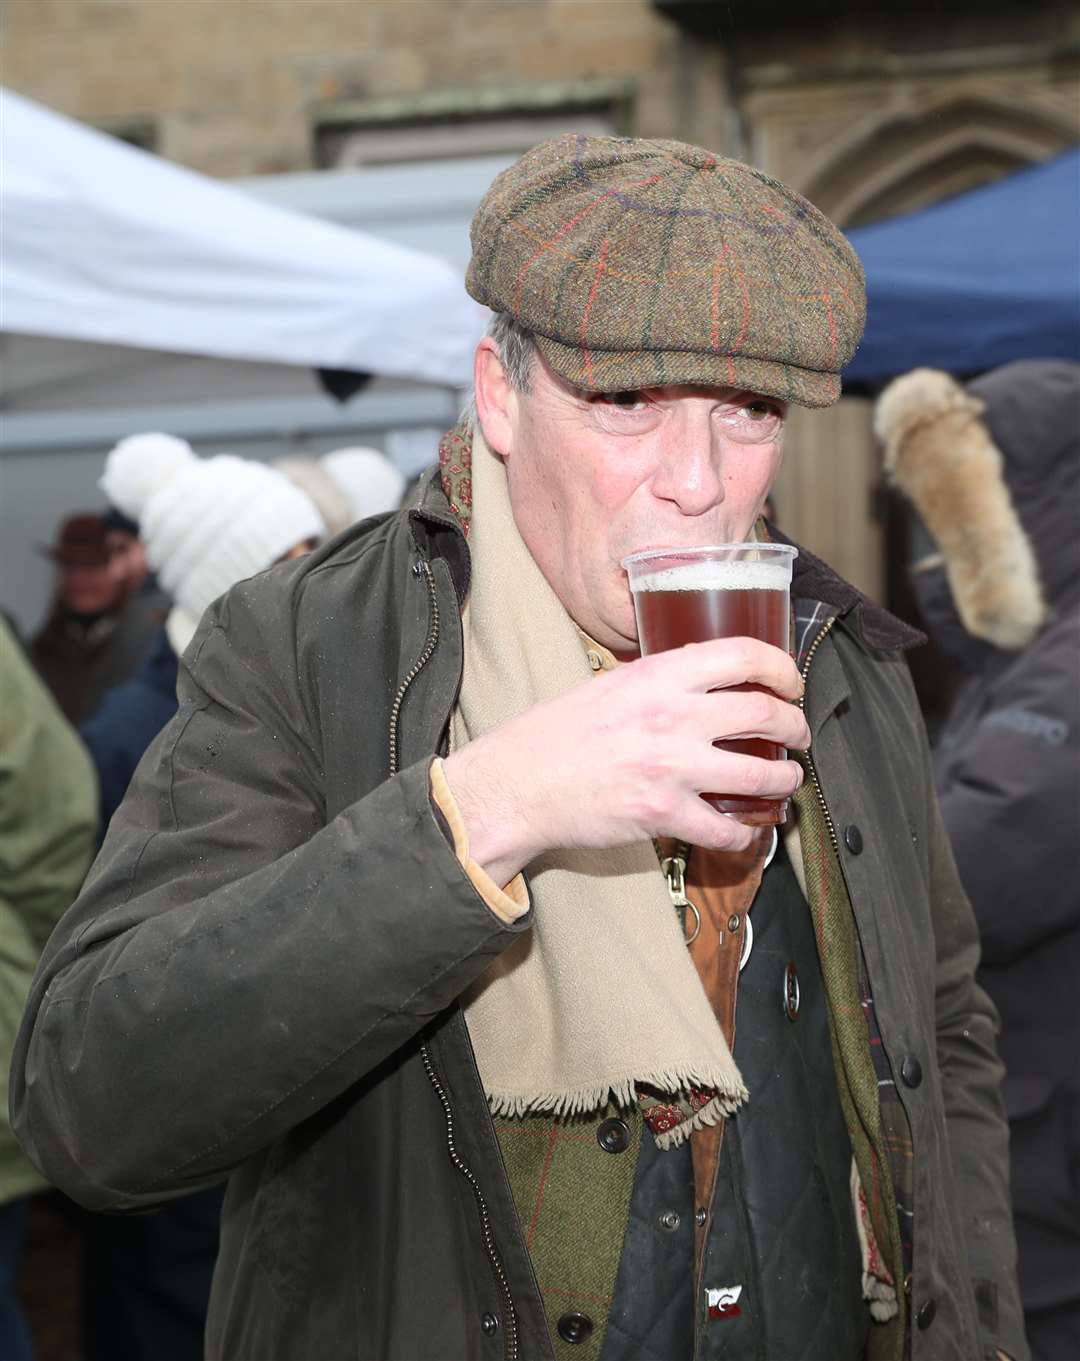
{"points": [[104, 242]]}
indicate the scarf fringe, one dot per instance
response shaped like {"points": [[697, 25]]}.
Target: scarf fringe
{"points": [[877, 1284], [881, 1297], [580, 1100]]}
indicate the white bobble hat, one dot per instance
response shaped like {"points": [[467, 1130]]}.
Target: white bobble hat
{"points": [[206, 523], [139, 465], [371, 483]]}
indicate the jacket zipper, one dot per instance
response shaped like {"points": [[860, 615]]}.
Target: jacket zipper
{"points": [[806, 757], [420, 568], [481, 1204], [423, 568]]}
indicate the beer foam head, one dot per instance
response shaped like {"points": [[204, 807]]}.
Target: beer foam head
{"points": [[705, 575]]}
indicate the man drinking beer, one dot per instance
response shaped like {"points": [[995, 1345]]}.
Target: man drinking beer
{"points": [[416, 925]]}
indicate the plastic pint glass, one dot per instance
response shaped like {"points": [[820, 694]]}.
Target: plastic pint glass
{"points": [[733, 590]]}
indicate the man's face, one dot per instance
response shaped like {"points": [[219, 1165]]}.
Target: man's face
{"points": [[127, 558], [89, 588], [595, 477]]}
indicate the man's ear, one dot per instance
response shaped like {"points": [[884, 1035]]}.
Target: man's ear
{"points": [[496, 401]]}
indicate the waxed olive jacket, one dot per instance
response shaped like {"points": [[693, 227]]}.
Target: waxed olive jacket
{"points": [[260, 978]]}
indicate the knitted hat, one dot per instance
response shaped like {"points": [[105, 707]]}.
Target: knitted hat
{"points": [[372, 484], [638, 262], [206, 523], [347, 485], [315, 482]]}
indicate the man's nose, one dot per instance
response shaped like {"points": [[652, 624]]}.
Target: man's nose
{"points": [[689, 469]]}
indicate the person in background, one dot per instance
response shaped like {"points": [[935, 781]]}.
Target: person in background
{"points": [[205, 524], [127, 552], [101, 622], [347, 485], [48, 825], [993, 472]]}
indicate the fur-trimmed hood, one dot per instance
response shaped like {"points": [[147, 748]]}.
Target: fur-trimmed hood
{"points": [[992, 472]]}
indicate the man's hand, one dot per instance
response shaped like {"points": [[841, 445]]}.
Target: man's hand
{"points": [[625, 756]]}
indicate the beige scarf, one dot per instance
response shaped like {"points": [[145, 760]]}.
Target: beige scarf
{"points": [[601, 994]]}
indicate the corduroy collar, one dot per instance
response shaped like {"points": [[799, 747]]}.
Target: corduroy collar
{"points": [[813, 579]]}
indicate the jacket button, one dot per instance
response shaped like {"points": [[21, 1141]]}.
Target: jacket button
{"points": [[911, 1071], [700, 1217], [489, 1324], [791, 991], [574, 1328], [853, 839], [926, 1314], [613, 1136]]}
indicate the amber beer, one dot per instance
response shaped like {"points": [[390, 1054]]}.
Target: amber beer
{"points": [[742, 591]]}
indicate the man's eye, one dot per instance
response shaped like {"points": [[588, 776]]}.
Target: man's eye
{"points": [[626, 401], [760, 411]]}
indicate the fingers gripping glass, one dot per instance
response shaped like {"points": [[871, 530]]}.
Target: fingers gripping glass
{"points": [[692, 595]]}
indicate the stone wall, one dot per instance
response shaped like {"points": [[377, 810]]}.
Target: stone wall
{"points": [[867, 116], [233, 87]]}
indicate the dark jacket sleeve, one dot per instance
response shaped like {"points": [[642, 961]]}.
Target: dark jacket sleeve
{"points": [[236, 960], [1009, 784], [971, 1071]]}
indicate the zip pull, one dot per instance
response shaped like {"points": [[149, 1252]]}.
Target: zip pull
{"points": [[673, 868]]}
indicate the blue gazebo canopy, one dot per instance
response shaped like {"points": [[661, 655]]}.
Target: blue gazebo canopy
{"points": [[976, 281]]}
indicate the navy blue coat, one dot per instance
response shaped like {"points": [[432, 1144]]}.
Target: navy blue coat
{"points": [[128, 719], [1007, 768]]}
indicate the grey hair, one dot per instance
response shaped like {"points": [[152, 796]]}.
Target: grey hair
{"points": [[517, 350]]}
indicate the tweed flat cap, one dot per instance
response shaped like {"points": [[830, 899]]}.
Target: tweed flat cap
{"points": [[637, 263]]}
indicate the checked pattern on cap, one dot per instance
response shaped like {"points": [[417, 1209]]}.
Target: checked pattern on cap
{"points": [[640, 262]]}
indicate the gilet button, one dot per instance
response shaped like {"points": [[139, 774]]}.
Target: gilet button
{"points": [[926, 1314], [669, 1220], [853, 839], [911, 1071], [613, 1136], [792, 992], [575, 1328], [489, 1324]]}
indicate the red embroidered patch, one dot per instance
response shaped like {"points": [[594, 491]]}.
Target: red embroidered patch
{"points": [[724, 1302]]}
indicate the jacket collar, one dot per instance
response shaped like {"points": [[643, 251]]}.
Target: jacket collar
{"points": [[436, 530], [875, 627]]}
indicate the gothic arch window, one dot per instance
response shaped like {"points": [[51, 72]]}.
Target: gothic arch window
{"points": [[906, 160]]}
